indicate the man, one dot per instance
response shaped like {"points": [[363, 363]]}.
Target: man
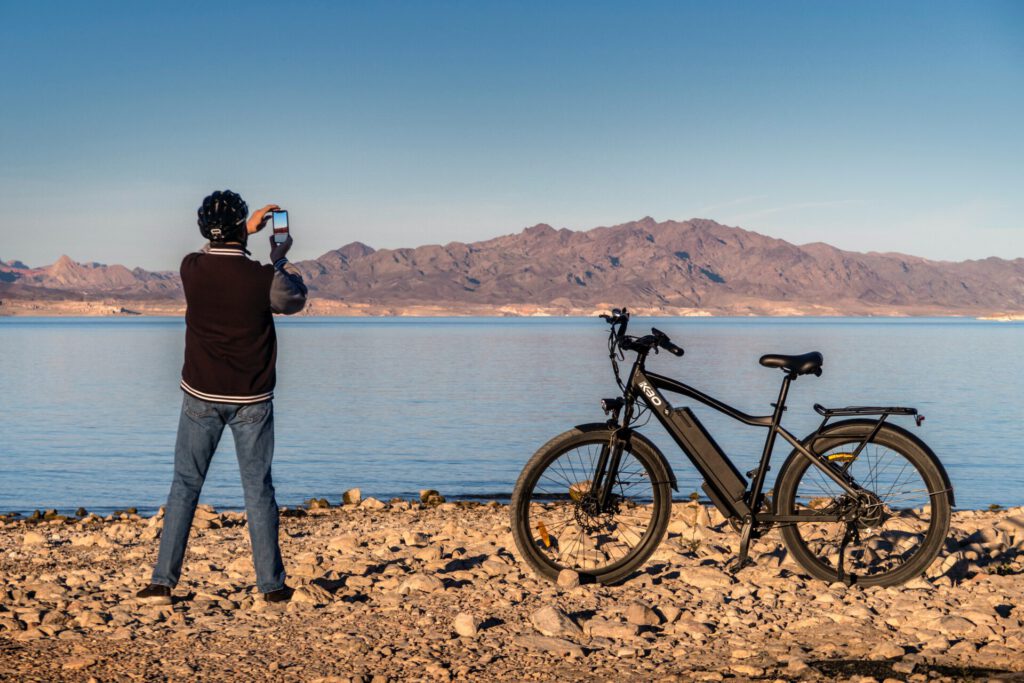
{"points": [[228, 380]]}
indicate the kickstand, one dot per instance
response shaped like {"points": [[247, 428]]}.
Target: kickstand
{"points": [[743, 557], [848, 535]]}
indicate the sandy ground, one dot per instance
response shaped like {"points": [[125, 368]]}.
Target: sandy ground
{"points": [[384, 590]]}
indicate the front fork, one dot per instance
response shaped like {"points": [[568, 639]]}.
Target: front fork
{"points": [[606, 471]]}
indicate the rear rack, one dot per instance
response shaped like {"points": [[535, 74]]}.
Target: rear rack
{"points": [[868, 410]]}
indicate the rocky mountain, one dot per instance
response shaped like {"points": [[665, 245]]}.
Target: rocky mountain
{"points": [[672, 266], [68, 279]]}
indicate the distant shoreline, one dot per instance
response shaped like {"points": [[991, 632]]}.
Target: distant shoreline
{"points": [[317, 307]]}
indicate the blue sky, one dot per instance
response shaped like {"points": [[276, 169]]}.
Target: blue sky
{"points": [[870, 125]]}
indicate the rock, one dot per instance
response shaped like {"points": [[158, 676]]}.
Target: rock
{"points": [[747, 670], [705, 577], [372, 504], [639, 614], [415, 539], [90, 541], [797, 666], [903, 667], [954, 625], [240, 565], [351, 497], [311, 594], [431, 498], [33, 538], [568, 579], [551, 621], [886, 650], [466, 625], [424, 583], [599, 628], [78, 663], [345, 543], [547, 644], [49, 591], [428, 554]]}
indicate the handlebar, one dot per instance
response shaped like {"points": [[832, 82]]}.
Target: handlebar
{"points": [[618, 342], [619, 319]]}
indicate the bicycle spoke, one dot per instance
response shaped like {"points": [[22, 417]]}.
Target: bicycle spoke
{"points": [[888, 539], [569, 529]]}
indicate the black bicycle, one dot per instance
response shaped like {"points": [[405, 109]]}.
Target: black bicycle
{"points": [[860, 500]]}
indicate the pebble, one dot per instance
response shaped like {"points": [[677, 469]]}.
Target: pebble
{"points": [[551, 621], [311, 594], [706, 578], [568, 579], [616, 630], [954, 625], [466, 625], [639, 614], [747, 670], [78, 663], [887, 650], [415, 539], [403, 595], [424, 583], [547, 644], [32, 538]]}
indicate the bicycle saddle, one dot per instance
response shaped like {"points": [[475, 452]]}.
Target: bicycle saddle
{"points": [[804, 364]]}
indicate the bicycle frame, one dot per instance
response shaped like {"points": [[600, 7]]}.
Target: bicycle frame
{"points": [[741, 503]]}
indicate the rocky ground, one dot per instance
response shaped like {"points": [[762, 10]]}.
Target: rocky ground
{"points": [[406, 591]]}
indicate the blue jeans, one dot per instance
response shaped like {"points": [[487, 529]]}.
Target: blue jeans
{"points": [[199, 431]]}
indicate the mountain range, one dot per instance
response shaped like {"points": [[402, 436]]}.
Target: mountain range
{"points": [[674, 267]]}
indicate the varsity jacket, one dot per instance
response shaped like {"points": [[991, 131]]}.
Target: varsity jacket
{"points": [[230, 343]]}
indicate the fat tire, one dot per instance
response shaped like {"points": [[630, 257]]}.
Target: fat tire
{"points": [[645, 453], [899, 441]]}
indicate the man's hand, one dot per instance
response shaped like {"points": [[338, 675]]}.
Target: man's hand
{"points": [[279, 251], [258, 220]]}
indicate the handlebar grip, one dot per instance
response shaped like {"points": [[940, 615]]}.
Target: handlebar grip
{"points": [[671, 348], [665, 343]]}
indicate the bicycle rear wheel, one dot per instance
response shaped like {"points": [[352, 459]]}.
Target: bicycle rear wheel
{"points": [[555, 522], [901, 519]]}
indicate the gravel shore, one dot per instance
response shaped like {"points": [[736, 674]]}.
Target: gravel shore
{"points": [[405, 591]]}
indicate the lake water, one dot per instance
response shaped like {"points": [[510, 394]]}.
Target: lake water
{"points": [[89, 407]]}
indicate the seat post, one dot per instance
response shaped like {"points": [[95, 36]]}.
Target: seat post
{"points": [[761, 472], [780, 405]]}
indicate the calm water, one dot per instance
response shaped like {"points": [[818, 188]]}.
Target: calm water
{"points": [[89, 407]]}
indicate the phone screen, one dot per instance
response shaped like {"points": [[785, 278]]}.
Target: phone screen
{"points": [[280, 219]]}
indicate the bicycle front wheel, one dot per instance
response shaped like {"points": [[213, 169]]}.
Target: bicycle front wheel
{"points": [[555, 520], [893, 531]]}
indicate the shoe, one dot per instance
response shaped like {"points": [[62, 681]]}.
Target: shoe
{"points": [[280, 595], [155, 594]]}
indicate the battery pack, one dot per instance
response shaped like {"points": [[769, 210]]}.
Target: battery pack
{"points": [[724, 485]]}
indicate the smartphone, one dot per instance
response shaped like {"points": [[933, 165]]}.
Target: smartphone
{"points": [[280, 220]]}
